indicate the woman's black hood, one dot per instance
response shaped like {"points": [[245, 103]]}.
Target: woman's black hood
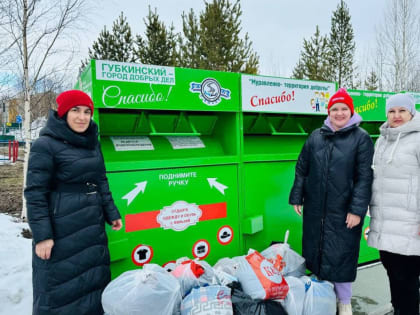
{"points": [[58, 128]]}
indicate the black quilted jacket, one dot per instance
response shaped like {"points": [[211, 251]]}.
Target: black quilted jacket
{"points": [[333, 177], [63, 207]]}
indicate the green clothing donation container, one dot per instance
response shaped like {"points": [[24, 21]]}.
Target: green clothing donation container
{"points": [[200, 163], [277, 115], [170, 141]]}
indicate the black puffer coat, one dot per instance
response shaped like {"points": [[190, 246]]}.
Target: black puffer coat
{"points": [[333, 178], [63, 207]]}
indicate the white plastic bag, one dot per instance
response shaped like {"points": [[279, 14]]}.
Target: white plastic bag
{"points": [[293, 264], [194, 273], [170, 266], [150, 290], [209, 300], [259, 278], [228, 265], [320, 297], [225, 270], [224, 278], [293, 303]]}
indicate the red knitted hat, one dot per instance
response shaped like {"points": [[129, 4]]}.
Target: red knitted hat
{"points": [[341, 96], [69, 99]]}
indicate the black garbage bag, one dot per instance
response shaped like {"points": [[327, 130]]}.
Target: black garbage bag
{"points": [[243, 304]]}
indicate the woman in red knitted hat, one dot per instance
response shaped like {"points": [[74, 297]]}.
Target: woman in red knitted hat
{"points": [[68, 202], [333, 184]]}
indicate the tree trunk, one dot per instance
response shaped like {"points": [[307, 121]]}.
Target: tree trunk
{"points": [[27, 104]]}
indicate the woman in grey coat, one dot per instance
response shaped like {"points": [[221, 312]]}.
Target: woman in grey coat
{"points": [[395, 205]]}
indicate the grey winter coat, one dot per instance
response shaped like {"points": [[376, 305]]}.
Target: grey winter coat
{"points": [[68, 200], [395, 205], [333, 178]]}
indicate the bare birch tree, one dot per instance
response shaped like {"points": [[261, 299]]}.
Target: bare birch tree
{"points": [[398, 46], [37, 38]]}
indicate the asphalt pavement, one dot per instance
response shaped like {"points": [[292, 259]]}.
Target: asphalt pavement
{"points": [[371, 295]]}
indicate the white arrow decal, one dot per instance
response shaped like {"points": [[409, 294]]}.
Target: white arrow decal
{"points": [[133, 194], [220, 187]]}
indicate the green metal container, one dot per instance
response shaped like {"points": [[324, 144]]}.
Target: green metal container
{"points": [[170, 141], [275, 127], [200, 163], [278, 115], [417, 99]]}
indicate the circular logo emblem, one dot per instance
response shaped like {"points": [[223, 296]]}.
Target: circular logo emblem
{"points": [[366, 233], [201, 249], [210, 91], [142, 254], [225, 235]]}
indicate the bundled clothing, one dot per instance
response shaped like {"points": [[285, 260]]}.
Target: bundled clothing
{"points": [[333, 178], [395, 210], [69, 201]]}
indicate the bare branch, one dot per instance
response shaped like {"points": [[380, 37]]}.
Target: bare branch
{"points": [[398, 45], [31, 30]]}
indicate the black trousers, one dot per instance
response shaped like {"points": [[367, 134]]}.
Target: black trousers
{"points": [[403, 273]]}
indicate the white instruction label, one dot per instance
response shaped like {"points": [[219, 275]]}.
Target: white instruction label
{"points": [[134, 143], [179, 215], [187, 142]]}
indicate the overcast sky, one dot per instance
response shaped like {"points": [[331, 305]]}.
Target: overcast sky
{"points": [[276, 27]]}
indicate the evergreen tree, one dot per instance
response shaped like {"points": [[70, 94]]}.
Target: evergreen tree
{"points": [[190, 47], [372, 81], [116, 46], [123, 40], [313, 63], [215, 43], [299, 70], [160, 44], [355, 81], [101, 48], [342, 45]]}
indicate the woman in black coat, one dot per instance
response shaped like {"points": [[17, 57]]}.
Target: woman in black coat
{"points": [[68, 202], [333, 183]]}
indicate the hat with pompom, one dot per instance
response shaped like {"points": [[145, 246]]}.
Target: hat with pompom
{"points": [[341, 96]]}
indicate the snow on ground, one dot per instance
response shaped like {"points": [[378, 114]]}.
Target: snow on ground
{"points": [[15, 268], [4, 159], [36, 127]]}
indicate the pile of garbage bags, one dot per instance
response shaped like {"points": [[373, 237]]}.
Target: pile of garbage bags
{"points": [[270, 282]]}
